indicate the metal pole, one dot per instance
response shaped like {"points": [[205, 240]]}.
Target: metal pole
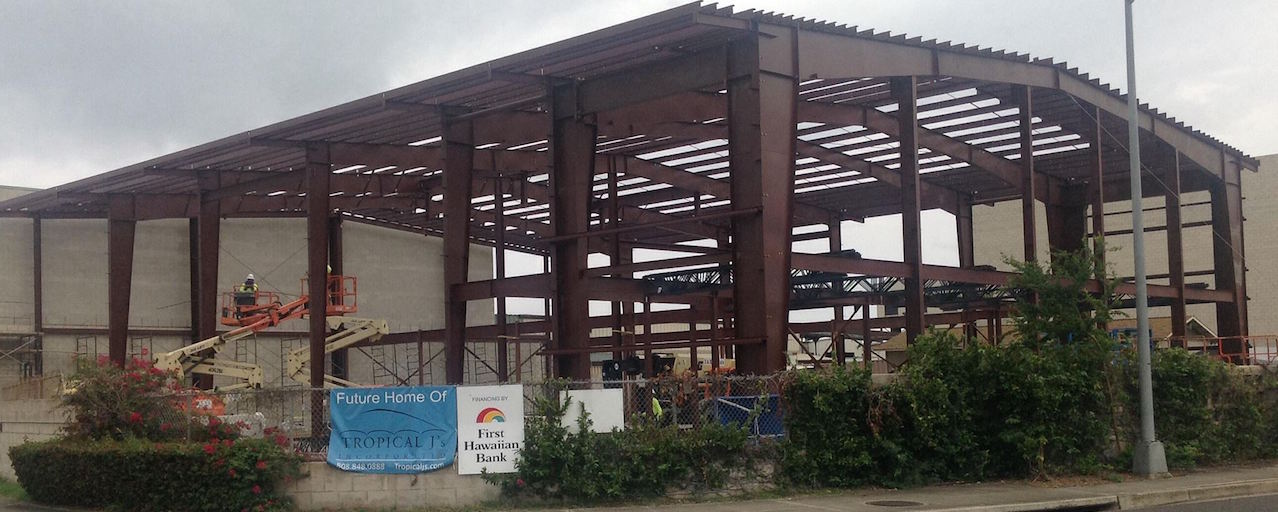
{"points": [[1148, 457]]}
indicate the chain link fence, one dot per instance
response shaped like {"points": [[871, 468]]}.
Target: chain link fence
{"points": [[302, 414]]}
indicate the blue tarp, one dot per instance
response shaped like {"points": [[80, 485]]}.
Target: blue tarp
{"points": [[393, 430], [736, 410]]}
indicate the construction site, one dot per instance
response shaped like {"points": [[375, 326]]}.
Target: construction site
{"points": [[684, 191]]}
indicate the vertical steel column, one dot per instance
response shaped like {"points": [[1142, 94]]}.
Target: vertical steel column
{"points": [[1175, 243], [835, 228], [459, 165], [121, 226], [193, 271], [499, 260], [903, 91], [1024, 114], [762, 103], [1227, 252], [572, 143], [615, 254], [966, 240], [37, 292], [318, 169], [340, 359], [867, 341], [1096, 186], [1067, 219], [208, 238]]}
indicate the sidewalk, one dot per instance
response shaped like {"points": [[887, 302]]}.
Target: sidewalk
{"points": [[1013, 496]]}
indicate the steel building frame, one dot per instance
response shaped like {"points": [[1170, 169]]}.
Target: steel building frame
{"points": [[700, 125]]}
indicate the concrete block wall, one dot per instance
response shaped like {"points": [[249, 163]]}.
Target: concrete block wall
{"points": [[26, 420], [330, 488], [400, 279]]}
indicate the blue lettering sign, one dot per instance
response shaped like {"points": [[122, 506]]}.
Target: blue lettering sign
{"points": [[392, 430]]}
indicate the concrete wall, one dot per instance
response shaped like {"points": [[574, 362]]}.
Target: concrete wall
{"points": [[997, 233], [400, 279], [22, 421], [328, 488]]}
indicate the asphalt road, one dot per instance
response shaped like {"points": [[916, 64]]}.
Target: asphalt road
{"points": [[1262, 503]]}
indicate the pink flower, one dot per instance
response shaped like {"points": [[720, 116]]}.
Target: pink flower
{"points": [[164, 427], [135, 417], [227, 442], [231, 472], [210, 448], [519, 482], [261, 464], [257, 489]]}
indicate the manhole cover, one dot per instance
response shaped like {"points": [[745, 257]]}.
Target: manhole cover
{"points": [[894, 503]]}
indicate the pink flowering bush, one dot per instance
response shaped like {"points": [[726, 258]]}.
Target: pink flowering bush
{"points": [[133, 442]]}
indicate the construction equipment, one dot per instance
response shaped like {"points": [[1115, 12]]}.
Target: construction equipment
{"points": [[349, 331], [252, 314]]}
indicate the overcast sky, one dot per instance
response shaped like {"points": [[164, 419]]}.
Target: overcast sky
{"points": [[86, 87]]}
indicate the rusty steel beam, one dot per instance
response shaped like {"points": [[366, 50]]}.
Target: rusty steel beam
{"points": [[121, 227], [1096, 188], [1067, 219], [1024, 115], [499, 266], [624, 269], [905, 93], [965, 234], [1175, 242], [339, 360], [762, 101], [206, 250], [572, 144], [1227, 255], [459, 162], [648, 82], [318, 169]]}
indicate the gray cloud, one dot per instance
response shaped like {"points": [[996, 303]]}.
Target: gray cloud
{"points": [[86, 87]]}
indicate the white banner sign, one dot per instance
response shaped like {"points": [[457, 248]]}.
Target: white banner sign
{"points": [[490, 428], [605, 407]]}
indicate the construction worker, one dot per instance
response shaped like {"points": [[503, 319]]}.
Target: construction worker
{"points": [[246, 293]]}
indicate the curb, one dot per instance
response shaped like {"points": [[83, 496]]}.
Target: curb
{"points": [[1067, 504], [1201, 493]]}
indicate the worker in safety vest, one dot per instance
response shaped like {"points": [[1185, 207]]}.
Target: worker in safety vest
{"points": [[246, 293]]}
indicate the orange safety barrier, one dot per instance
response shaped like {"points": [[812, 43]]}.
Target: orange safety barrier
{"points": [[1258, 349]]}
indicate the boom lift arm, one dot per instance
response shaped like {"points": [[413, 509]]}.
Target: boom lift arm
{"points": [[349, 331], [189, 360]]}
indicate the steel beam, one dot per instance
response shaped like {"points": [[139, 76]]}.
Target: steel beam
{"points": [[1175, 242], [762, 103], [318, 170], [206, 250], [572, 148], [499, 264], [965, 234], [121, 228], [1025, 117], [835, 233], [1227, 252], [340, 359], [459, 166], [1067, 219], [905, 94], [1096, 188], [37, 291]]}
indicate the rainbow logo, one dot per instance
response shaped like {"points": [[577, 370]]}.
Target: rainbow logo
{"points": [[491, 415]]}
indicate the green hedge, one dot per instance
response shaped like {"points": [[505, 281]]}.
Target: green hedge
{"points": [[139, 475], [646, 459]]}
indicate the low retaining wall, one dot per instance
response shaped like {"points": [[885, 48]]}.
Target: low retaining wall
{"points": [[26, 420], [329, 487]]}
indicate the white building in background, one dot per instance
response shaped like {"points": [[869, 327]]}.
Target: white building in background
{"points": [[998, 230], [400, 279]]}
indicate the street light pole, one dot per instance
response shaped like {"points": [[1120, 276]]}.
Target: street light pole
{"points": [[1148, 458]]}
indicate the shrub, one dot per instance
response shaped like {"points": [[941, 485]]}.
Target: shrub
{"points": [[646, 459], [842, 433], [134, 474]]}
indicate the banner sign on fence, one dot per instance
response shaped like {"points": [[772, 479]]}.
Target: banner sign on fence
{"points": [[490, 428], [605, 407], [393, 430]]}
